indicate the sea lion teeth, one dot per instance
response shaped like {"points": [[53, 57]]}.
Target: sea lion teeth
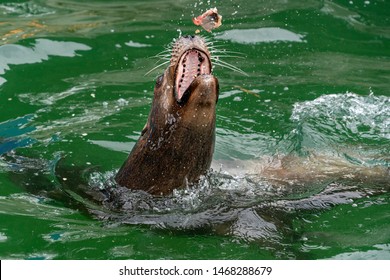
{"points": [[189, 67]]}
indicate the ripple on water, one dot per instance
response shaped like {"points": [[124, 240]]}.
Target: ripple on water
{"points": [[13, 54]]}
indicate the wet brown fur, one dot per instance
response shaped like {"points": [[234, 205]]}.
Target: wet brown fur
{"points": [[177, 143]]}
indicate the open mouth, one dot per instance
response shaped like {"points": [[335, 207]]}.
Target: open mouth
{"points": [[192, 64]]}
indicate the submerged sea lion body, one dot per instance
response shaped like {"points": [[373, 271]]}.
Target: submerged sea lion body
{"points": [[177, 143]]}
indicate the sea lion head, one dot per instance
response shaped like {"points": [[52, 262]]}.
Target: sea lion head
{"points": [[187, 82], [177, 143]]}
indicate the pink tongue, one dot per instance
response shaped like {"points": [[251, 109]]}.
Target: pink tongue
{"points": [[189, 69]]}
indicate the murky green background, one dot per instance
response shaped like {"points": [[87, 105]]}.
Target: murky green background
{"points": [[73, 85]]}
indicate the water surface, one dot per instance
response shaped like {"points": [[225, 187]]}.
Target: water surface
{"points": [[73, 93]]}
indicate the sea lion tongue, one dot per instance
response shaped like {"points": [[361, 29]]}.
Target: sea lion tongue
{"points": [[192, 64]]}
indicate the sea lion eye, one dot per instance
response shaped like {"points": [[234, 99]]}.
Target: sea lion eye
{"points": [[159, 81]]}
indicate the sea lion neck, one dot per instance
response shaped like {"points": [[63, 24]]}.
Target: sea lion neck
{"points": [[176, 146]]}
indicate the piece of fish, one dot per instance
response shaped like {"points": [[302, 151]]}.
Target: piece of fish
{"points": [[209, 20]]}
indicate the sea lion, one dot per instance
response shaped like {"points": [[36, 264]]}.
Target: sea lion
{"points": [[177, 144]]}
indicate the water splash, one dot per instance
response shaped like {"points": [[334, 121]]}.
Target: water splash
{"points": [[221, 203], [344, 117]]}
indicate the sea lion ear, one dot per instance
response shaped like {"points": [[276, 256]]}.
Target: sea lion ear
{"points": [[159, 81]]}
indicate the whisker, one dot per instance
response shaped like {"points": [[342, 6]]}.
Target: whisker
{"points": [[161, 57], [216, 51], [207, 39], [213, 43], [229, 66], [164, 52], [233, 56], [156, 67]]}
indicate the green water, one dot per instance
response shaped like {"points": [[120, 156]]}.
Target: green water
{"points": [[73, 86]]}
